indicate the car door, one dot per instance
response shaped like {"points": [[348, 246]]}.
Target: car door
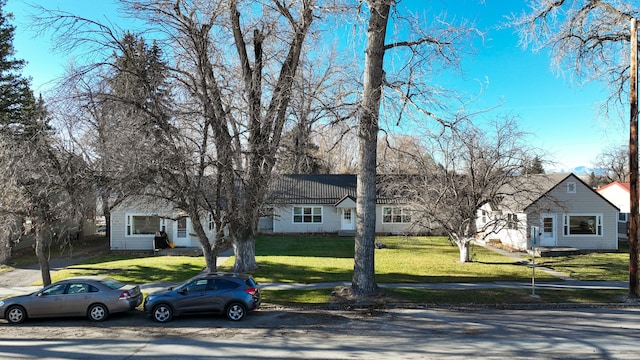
{"points": [[219, 292], [77, 298], [191, 298], [48, 302]]}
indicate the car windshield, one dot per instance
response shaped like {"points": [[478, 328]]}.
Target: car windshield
{"points": [[113, 284]]}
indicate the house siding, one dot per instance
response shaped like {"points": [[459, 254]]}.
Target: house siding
{"points": [[143, 206], [556, 204], [331, 221], [283, 220], [583, 201], [513, 238]]}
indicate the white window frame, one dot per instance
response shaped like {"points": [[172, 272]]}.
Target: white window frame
{"points": [[404, 214], [130, 231], [303, 215], [566, 222], [571, 187]]}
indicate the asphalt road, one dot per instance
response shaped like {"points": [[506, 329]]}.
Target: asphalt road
{"points": [[590, 333]]}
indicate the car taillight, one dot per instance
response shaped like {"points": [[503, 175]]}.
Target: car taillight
{"points": [[125, 296], [251, 291]]}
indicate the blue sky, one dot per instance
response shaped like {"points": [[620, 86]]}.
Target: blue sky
{"points": [[562, 117]]}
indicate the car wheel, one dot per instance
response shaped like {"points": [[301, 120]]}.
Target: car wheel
{"points": [[162, 313], [236, 311], [98, 312], [16, 315]]}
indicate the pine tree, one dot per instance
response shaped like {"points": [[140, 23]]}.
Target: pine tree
{"points": [[19, 110]]}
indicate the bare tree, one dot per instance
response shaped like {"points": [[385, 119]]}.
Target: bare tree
{"points": [[318, 102], [615, 161], [338, 144], [232, 67], [402, 154], [45, 183], [473, 167], [587, 38], [418, 54]]}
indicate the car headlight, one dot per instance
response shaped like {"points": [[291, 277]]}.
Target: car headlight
{"points": [[1, 303]]}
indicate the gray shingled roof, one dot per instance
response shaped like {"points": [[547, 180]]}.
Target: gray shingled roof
{"points": [[312, 189], [328, 189]]}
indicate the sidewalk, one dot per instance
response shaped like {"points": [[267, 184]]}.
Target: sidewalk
{"points": [[19, 281]]}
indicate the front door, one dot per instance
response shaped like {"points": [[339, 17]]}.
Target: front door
{"points": [[548, 225], [348, 222], [181, 237]]}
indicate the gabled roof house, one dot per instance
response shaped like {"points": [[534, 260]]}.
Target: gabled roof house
{"points": [[558, 210]]}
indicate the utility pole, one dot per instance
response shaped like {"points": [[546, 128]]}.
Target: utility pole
{"points": [[633, 162]]}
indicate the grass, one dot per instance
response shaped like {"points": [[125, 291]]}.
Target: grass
{"points": [[310, 259], [605, 266]]}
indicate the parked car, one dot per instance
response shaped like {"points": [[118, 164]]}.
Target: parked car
{"points": [[93, 296], [230, 294]]}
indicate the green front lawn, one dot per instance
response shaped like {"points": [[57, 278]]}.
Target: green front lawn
{"points": [[310, 259], [604, 266]]}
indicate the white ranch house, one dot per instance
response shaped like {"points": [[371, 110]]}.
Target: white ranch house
{"points": [[326, 203], [298, 204]]}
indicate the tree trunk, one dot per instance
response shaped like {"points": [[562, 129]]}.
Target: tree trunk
{"points": [[245, 254], [463, 246], [43, 261], [210, 259], [106, 211], [364, 282], [5, 246]]}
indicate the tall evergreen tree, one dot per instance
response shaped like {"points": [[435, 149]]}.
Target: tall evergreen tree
{"points": [[17, 103]]}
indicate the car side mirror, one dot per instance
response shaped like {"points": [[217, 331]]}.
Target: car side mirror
{"points": [[183, 291]]}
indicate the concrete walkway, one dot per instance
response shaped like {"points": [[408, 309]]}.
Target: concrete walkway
{"points": [[20, 281]]}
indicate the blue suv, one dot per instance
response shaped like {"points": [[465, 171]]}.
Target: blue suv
{"points": [[230, 294]]}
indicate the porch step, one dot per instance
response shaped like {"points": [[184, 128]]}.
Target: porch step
{"points": [[180, 251], [554, 251]]}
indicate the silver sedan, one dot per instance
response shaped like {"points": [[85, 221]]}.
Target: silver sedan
{"points": [[93, 296]]}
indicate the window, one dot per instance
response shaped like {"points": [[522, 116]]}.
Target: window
{"points": [[623, 217], [57, 289], [571, 188], [395, 215], [307, 214], [142, 224], [582, 224], [346, 214], [512, 221]]}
